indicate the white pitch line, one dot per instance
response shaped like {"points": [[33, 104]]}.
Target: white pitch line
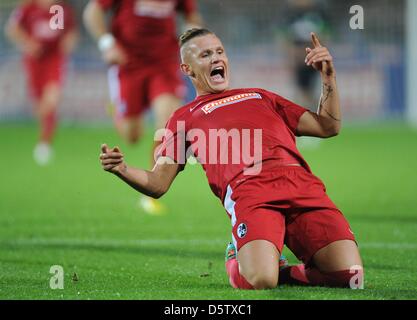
{"points": [[168, 242]]}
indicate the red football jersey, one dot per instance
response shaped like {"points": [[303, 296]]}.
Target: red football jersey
{"points": [[35, 20], [231, 132], [146, 29]]}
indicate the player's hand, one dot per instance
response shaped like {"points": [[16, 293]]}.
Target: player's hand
{"points": [[112, 160], [320, 58], [32, 48], [115, 55]]}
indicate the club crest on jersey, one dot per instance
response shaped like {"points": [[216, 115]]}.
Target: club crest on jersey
{"points": [[242, 230], [210, 107]]}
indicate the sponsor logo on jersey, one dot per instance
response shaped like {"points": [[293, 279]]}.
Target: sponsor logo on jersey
{"points": [[155, 8], [210, 107], [242, 230]]}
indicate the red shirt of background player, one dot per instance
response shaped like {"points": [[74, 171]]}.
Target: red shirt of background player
{"points": [[49, 65], [146, 29], [35, 20]]}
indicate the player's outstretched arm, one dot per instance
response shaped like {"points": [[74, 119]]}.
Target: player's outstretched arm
{"points": [[327, 121], [153, 183]]}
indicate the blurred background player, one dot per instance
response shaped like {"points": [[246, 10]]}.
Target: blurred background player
{"points": [[304, 16], [141, 48], [45, 51]]}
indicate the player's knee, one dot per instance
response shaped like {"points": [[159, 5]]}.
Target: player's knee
{"points": [[51, 94], [130, 129], [132, 135], [132, 138], [163, 107], [263, 280]]}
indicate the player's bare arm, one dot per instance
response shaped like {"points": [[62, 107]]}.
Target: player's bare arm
{"points": [[95, 22], [154, 183], [69, 42], [22, 39], [327, 121], [193, 20]]}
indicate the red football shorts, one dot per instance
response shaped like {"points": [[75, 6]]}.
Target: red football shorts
{"points": [[133, 90], [285, 205], [44, 71]]}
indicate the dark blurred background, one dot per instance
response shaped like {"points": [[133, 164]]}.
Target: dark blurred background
{"points": [[260, 37]]}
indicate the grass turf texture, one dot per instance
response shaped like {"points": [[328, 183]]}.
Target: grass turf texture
{"points": [[75, 215]]}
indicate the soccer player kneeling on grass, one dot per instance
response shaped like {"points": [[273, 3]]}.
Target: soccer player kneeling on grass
{"points": [[272, 198]]}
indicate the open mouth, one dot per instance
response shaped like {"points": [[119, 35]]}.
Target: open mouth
{"points": [[217, 74]]}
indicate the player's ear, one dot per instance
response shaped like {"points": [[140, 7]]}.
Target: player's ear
{"points": [[186, 69]]}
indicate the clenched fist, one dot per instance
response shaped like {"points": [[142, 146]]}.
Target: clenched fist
{"points": [[112, 160]]}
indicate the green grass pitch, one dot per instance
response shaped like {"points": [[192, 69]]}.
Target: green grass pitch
{"points": [[75, 215]]}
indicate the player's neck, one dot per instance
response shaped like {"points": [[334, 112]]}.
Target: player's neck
{"points": [[203, 92]]}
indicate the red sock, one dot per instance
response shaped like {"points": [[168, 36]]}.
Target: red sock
{"points": [[299, 275], [235, 278], [48, 125], [335, 279]]}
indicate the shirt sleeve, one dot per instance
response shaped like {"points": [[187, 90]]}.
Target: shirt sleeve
{"points": [[187, 6], [289, 111], [174, 145], [106, 4]]}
